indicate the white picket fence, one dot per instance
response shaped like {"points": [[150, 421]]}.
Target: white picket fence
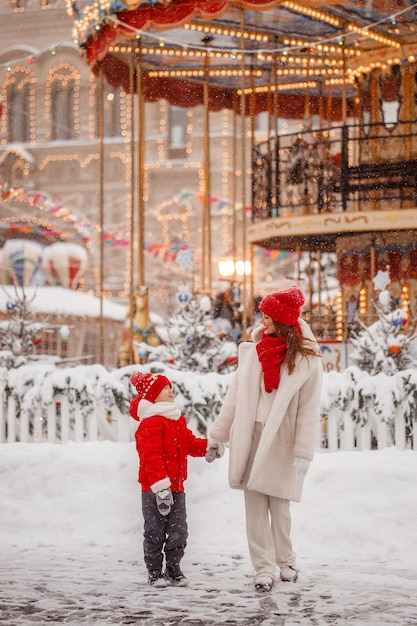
{"points": [[60, 423], [340, 432]]}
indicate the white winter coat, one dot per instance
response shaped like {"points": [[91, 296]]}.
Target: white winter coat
{"points": [[291, 429]]}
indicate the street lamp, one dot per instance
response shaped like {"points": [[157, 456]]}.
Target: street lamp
{"points": [[228, 267]]}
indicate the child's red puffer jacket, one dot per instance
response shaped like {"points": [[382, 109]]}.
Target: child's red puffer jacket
{"points": [[163, 445]]}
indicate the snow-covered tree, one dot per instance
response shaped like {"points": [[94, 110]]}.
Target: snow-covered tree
{"points": [[192, 342], [384, 346], [19, 333]]}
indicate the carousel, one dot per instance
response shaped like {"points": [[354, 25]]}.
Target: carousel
{"points": [[344, 184]]}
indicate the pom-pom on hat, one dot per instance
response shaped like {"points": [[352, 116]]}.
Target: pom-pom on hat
{"points": [[284, 306], [149, 386]]}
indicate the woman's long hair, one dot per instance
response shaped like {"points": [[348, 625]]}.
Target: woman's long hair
{"points": [[296, 344]]}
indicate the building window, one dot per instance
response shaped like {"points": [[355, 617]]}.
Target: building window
{"points": [[62, 110], [262, 123], [89, 348], [111, 106], [20, 4], [18, 111], [178, 122]]}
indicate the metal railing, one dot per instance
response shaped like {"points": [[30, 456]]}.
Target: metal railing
{"points": [[348, 168]]}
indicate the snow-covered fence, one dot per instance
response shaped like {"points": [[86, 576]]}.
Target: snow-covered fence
{"points": [[42, 403], [60, 423], [340, 432], [88, 403], [361, 412]]}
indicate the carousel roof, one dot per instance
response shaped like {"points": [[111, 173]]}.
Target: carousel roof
{"points": [[258, 46]]}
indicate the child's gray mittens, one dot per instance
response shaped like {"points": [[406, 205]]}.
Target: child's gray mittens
{"points": [[215, 450], [164, 501]]}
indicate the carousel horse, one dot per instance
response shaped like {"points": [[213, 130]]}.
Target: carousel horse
{"points": [[143, 331]]}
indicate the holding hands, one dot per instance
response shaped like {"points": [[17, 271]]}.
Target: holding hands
{"points": [[215, 450]]}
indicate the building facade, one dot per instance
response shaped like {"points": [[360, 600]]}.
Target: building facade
{"points": [[53, 143]]}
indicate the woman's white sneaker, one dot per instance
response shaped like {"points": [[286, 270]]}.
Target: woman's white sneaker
{"points": [[264, 583], [289, 574]]}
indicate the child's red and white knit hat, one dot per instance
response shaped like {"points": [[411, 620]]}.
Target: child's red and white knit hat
{"points": [[149, 386]]}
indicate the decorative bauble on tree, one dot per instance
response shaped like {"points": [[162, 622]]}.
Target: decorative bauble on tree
{"points": [[19, 333], [384, 346]]}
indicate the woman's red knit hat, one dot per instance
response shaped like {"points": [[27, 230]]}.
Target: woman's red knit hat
{"points": [[149, 386], [284, 306]]}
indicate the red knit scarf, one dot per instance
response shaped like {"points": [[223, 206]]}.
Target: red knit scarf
{"points": [[271, 353]]}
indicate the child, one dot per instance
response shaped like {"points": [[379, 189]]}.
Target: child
{"points": [[163, 442]]}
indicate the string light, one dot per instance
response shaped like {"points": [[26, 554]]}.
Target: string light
{"points": [[100, 10], [83, 26]]}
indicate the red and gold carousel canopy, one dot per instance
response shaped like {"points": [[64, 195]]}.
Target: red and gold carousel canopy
{"points": [[294, 49]]}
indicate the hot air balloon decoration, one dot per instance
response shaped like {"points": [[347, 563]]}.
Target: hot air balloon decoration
{"points": [[64, 263], [21, 262]]}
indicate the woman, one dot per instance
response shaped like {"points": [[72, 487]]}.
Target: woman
{"points": [[270, 417]]}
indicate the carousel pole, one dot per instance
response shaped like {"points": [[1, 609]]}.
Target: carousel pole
{"points": [[361, 127], [276, 200], [307, 99], [321, 105], [101, 206], [407, 89], [329, 104], [298, 253], [344, 101], [132, 201], [243, 177], [207, 251], [234, 191], [310, 276], [251, 248], [319, 281], [141, 165]]}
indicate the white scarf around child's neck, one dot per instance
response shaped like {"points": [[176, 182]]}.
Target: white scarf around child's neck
{"points": [[167, 409]]}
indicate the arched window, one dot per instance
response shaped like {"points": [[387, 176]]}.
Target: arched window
{"points": [[62, 104], [62, 110], [178, 122], [262, 123], [18, 112], [20, 4], [112, 123]]}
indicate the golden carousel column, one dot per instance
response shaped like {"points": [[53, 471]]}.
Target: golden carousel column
{"points": [[360, 134], [234, 190], [101, 208], [132, 69], [206, 271], [376, 117], [141, 167], [243, 178], [344, 101], [409, 150], [276, 204], [251, 311], [409, 289]]}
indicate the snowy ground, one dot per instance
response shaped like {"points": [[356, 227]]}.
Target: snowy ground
{"points": [[70, 543]]}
